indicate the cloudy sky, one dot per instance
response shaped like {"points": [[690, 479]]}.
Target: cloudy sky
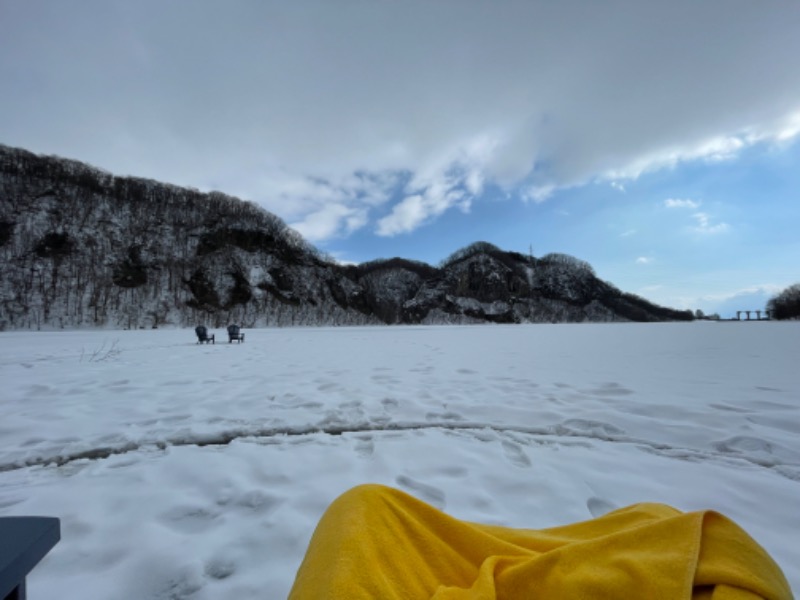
{"points": [[657, 140]]}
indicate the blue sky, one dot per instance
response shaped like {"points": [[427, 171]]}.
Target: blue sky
{"points": [[656, 140], [719, 235]]}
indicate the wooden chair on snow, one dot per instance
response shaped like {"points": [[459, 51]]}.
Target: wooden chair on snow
{"points": [[234, 333], [202, 335]]}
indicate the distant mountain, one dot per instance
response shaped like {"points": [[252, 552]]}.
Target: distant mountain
{"points": [[80, 247]]}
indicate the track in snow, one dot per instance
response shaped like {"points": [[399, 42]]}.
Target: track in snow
{"points": [[224, 438]]}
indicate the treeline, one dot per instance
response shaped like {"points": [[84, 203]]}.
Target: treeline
{"points": [[786, 304], [83, 247]]}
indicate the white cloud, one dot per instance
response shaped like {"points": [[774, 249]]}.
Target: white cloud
{"points": [[431, 200], [539, 194], [323, 209], [706, 227], [474, 182], [329, 221], [704, 222], [405, 217], [714, 149], [790, 128], [644, 260], [681, 203], [289, 104]]}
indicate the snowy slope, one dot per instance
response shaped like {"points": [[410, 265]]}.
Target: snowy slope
{"points": [[188, 471]]}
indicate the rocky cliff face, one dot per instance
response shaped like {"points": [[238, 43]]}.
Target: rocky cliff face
{"points": [[81, 247]]}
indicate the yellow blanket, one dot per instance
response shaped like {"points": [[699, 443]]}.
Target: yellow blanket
{"points": [[379, 543]]}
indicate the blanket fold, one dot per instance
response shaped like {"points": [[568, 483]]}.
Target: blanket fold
{"points": [[378, 542]]}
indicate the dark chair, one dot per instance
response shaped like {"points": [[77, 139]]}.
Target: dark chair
{"points": [[202, 335], [24, 541], [234, 333]]}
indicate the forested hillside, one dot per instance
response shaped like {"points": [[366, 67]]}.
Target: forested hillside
{"points": [[80, 247]]}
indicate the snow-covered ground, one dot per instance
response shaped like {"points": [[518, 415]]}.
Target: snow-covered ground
{"points": [[197, 471]]}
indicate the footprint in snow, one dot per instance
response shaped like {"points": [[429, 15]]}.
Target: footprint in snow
{"points": [[365, 447], [189, 519], [428, 493], [444, 416], [219, 568], [385, 379], [597, 429], [312, 405], [599, 507], [743, 444], [9, 502], [390, 403], [123, 463], [179, 382], [118, 383], [454, 471], [728, 408], [258, 502], [515, 454], [173, 583], [611, 389]]}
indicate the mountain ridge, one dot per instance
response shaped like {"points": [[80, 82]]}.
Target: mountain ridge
{"points": [[81, 247]]}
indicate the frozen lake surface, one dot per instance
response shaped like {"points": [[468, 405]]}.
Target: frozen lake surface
{"points": [[199, 471]]}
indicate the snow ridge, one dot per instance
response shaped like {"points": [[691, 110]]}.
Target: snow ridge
{"points": [[574, 428]]}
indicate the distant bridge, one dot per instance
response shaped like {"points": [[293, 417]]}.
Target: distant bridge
{"points": [[768, 314]]}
